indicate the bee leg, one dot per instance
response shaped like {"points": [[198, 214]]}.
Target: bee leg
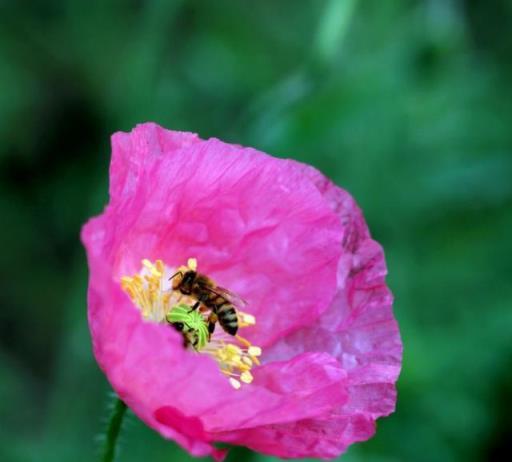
{"points": [[195, 307], [212, 319], [211, 329]]}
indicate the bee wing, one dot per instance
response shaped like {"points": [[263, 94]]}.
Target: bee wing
{"points": [[235, 299]]}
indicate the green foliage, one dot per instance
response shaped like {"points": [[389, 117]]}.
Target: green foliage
{"points": [[405, 103]]}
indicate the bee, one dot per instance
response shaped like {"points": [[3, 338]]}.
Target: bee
{"points": [[191, 323], [218, 300]]}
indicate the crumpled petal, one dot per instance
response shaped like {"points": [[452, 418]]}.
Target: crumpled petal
{"points": [[237, 210], [358, 328], [288, 241]]}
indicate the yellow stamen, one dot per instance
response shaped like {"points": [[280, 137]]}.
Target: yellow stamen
{"points": [[246, 377], [246, 319], [243, 341], [192, 264], [254, 350], [235, 383]]}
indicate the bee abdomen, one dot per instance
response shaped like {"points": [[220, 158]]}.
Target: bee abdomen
{"points": [[228, 318]]}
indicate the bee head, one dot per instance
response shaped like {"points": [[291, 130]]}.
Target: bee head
{"points": [[177, 278], [187, 282]]}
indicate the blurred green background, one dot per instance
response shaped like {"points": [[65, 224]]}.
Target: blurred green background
{"points": [[405, 103]]}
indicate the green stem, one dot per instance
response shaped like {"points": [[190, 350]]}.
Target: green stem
{"points": [[113, 430]]}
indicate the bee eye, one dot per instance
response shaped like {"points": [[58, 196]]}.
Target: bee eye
{"points": [[178, 326]]}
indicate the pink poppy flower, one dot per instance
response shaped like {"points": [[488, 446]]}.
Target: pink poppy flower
{"points": [[317, 352]]}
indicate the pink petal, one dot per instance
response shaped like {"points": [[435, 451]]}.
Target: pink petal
{"points": [[323, 438], [358, 328]]}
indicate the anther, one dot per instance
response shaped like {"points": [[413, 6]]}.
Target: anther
{"points": [[192, 264], [254, 350], [246, 377], [235, 383]]}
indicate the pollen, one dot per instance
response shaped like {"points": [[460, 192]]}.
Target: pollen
{"points": [[235, 361], [235, 383], [149, 290], [192, 264], [246, 319], [254, 351], [152, 293]]}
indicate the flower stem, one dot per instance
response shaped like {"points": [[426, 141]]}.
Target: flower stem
{"points": [[113, 429]]}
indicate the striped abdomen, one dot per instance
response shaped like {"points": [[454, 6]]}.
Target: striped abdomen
{"points": [[207, 294], [227, 317]]}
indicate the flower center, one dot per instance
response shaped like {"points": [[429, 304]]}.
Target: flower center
{"points": [[206, 316]]}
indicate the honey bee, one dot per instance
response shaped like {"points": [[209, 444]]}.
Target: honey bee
{"points": [[191, 323], [220, 301]]}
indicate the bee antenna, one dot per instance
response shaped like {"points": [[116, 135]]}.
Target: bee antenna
{"points": [[175, 274]]}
